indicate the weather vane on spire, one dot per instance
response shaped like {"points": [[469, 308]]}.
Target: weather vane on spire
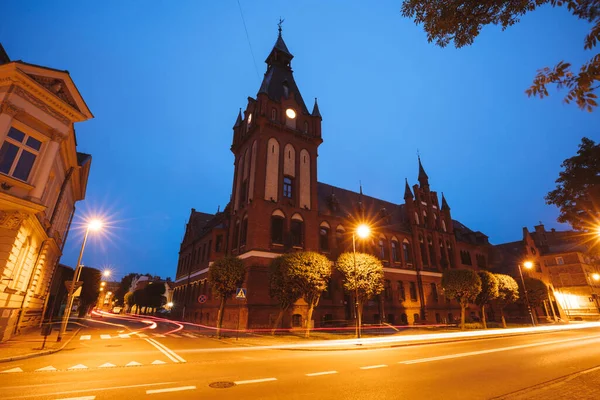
{"points": [[279, 25]]}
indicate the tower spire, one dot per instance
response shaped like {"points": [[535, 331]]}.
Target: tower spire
{"points": [[315, 111], [238, 121], [279, 25], [445, 205], [423, 178], [407, 192]]}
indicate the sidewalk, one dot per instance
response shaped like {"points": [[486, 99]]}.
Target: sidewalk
{"points": [[583, 385], [29, 343]]}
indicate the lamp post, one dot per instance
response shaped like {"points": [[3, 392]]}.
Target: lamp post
{"points": [[93, 225], [362, 231], [528, 265]]}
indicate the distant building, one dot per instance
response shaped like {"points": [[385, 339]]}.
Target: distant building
{"points": [[42, 176], [278, 206]]}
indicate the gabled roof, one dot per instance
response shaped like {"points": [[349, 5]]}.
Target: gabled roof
{"points": [[563, 241], [466, 235]]}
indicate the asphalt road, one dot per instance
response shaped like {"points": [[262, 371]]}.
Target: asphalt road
{"points": [[134, 359]]}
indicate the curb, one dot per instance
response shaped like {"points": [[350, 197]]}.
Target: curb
{"points": [[41, 353]]}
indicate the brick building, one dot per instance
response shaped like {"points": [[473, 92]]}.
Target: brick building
{"points": [[278, 205]]}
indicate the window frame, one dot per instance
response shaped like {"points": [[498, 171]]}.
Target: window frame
{"points": [[22, 147], [288, 187]]}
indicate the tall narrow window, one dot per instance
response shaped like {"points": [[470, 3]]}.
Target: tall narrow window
{"points": [[387, 287], [277, 229], [423, 250], [244, 231], [382, 249], [395, 254], [407, 251], [305, 127], [416, 218], [208, 250], [443, 225], [401, 292], [425, 219], [432, 255], [434, 293], [287, 187], [273, 114], [324, 238], [18, 154], [297, 232], [243, 191], [339, 238], [236, 235], [450, 253], [413, 291], [219, 243]]}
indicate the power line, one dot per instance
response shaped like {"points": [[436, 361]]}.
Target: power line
{"points": [[249, 44]]}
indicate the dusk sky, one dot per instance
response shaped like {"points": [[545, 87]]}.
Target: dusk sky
{"points": [[165, 80]]}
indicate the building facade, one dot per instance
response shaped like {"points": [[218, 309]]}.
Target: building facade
{"points": [[278, 205], [42, 176]]}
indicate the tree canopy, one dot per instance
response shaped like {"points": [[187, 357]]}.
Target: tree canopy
{"points": [[508, 292], [461, 22], [489, 291], [369, 274], [463, 285], [282, 288], [537, 291], [225, 275], [577, 193]]}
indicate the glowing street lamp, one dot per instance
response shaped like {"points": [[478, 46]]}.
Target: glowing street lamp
{"points": [[596, 277], [102, 284], [363, 232], [106, 273], [170, 304], [528, 265], [94, 225]]}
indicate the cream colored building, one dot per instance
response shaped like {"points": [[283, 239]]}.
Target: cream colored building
{"points": [[42, 176]]}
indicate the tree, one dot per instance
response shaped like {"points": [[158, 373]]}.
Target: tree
{"points": [[128, 301], [140, 299], [225, 275], [282, 287], [508, 292], [368, 278], [310, 273], [537, 293], [577, 192], [155, 295], [489, 291], [124, 287], [463, 285], [90, 289], [461, 21]]}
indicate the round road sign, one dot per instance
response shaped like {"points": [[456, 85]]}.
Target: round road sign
{"points": [[202, 298]]}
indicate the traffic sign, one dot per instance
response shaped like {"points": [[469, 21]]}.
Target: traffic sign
{"points": [[241, 293], [202, 298], [78, 284]]}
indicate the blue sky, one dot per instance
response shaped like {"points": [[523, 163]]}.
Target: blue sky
{"points": [[165, 81]]}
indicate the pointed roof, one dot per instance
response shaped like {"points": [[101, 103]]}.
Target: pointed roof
{"points": [[423, 178], [238, 121], [4, 58], [315, 111], [279, 80], [407, 192], [445, 205]]}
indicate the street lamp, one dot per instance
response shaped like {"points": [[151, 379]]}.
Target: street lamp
{"points": [[596, 277], [528, 265], [363, 231], [106, 273], [93, 225]]}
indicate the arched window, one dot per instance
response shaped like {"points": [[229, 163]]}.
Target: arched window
{"points": [[423, 250], [395, 250], [443, 257], [383, 248], [450, 253], [277, 223], [324, 236], [416, 218], [424, 218], [339, 237], [244, 231], [273, 114], [435, 221], [443, 225], [432, 257], [407, 251], [297, 230]]}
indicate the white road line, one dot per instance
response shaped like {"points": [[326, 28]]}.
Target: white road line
{"points": [[78, 366], [374, 366], [475, 353], [133, 364], [142, 335], [8, 371], [104, 336], [175, 389], [85, 337], [255, 381], [107, 365], [124, 336], [166, 351], [322, 373], [95, 389], [158, 335], [157, 362], [79, 398]]}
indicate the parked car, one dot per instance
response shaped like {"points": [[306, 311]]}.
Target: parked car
{"points": [[116, 310]]}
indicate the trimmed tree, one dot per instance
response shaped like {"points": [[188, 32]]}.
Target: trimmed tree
{"points": [[508, 293], [489, 291], [155, 295], [225, 276], [128, 301], [537, 293], [368, 279], [463, 285], [282, 287], [309, 271]]}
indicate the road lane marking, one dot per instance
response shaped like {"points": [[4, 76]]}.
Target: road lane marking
{"points": [[175, 335], [8, 371], [175, 389], [475, 353], [85, 337], [78, 366], [104, 336], [165, 350], [107, 365], [48, 368], [124, 336], [255, 381], [79, 398], [188, 335], [374, 366], [142, 335], [322, 373], [157, 362], [133, 364], [90, 390], [158, 335]]}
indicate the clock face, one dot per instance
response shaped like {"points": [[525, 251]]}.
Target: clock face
{"points": [[290, 113], [249, 119]]}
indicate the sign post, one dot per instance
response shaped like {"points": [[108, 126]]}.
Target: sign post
{"points": [[201, 299], [46, 331], [240, 296]]}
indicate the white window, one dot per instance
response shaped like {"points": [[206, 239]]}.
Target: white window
{"points": [[18, 154], [560, 260]]}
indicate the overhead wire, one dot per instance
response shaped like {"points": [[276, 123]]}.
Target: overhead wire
{"points": [[249, 43]]}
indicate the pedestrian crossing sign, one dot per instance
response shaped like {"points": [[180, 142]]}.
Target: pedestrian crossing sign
{"points": [[241, 293]]}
